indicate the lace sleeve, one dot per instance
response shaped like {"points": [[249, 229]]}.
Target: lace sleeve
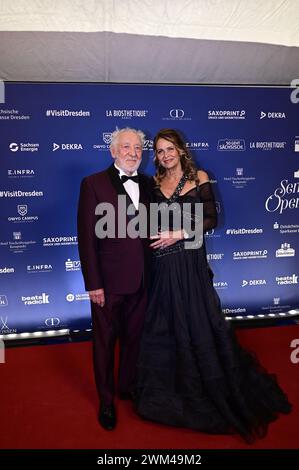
{"points": [[209, 206]]}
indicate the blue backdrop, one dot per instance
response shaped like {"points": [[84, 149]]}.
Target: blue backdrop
{"points": [[52, 135]]}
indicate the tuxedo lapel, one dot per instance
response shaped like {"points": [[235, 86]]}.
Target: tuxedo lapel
{"points": [[115, 180], [118, 185]]}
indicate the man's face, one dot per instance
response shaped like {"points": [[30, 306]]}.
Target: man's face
{"points": [[127, 152]]}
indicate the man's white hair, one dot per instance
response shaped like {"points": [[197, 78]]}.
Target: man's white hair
{"points": [[115, 135]]}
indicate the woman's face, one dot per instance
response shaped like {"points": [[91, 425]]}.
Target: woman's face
{"points": [[167, 154]]}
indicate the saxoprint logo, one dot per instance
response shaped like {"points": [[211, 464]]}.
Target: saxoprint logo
{"points": [[60, 241], [272, 115], [250, 254], [226, 114], [66, 147]]}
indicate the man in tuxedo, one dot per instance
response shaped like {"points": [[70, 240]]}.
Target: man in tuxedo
{"points": [[114, 270]]}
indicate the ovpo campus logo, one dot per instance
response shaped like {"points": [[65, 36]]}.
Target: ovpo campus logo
{"points": [[107, 137], [22, 209]]}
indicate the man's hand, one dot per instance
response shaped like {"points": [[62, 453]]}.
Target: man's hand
{"points": [[97, 296]]}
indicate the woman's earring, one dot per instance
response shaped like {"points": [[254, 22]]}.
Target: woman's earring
{"points": [[187, 157]]}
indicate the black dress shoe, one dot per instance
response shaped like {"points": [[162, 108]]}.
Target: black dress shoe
{"points": [[107, 418]]}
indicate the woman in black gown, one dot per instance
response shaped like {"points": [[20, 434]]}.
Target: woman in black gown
{"points": [[192, 372]]}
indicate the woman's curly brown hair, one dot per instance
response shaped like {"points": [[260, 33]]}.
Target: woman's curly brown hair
{"points": [[188, 165]]}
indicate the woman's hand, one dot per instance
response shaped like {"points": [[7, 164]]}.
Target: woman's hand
{"points": [[167, 238]]}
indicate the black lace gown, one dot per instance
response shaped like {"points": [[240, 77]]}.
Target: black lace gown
{"points": [[192, 372]]}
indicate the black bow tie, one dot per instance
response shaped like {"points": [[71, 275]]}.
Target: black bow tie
{"points": [[125, 178]]}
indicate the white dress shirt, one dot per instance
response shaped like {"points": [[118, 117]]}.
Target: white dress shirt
{"points": [[131, 187]]}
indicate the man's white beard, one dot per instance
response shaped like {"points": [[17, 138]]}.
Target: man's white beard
{"points": [[129, 168]]}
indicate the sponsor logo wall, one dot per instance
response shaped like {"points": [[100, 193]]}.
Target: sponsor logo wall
{"points": [[52, 135]]}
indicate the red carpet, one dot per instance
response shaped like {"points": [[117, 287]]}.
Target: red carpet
{"points": [[48, 400]]}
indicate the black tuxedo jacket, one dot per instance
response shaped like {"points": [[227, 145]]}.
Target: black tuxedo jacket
{"points": [[119, 265]]}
